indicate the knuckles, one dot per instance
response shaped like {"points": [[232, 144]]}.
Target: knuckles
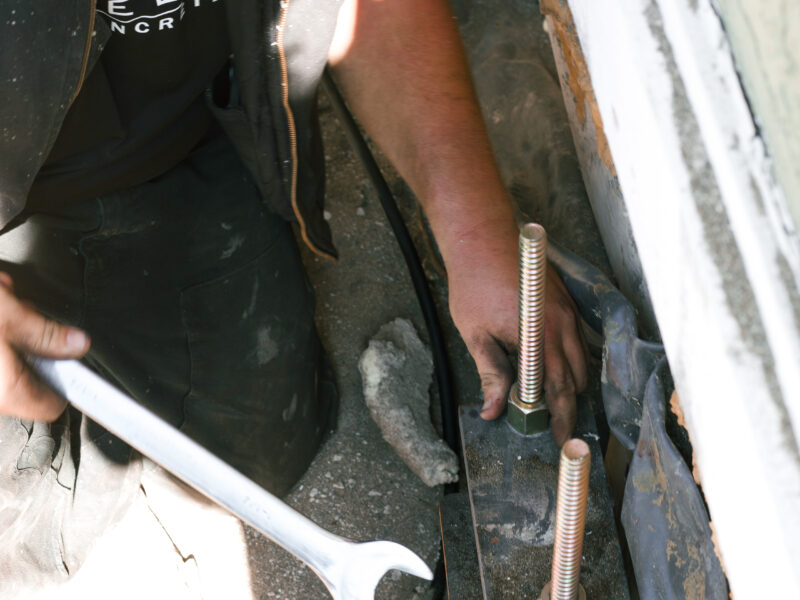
{"points": [[48, 335]]}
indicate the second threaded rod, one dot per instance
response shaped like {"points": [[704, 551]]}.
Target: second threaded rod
{"points": [[573, 491]]}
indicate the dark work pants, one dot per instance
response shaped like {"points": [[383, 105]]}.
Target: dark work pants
{"points": [[197, 305]]}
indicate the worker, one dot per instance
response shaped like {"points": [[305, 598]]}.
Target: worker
{"points": [[152, 153]]}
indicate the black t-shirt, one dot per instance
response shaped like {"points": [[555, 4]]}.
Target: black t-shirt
{"points": [[141, 110]]}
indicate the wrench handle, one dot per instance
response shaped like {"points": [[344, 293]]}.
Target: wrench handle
{"points": [[190, 462]]}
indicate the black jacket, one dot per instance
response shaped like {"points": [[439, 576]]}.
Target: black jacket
{"points": [[279, 47]]}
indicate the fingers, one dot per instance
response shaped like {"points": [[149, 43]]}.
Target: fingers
{"points": [[495, 373], [22, 393], [563, 312], [575, 352], [559, 391], [565, 367], [26, 330], [567, 341]]}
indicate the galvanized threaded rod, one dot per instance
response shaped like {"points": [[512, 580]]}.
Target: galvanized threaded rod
{"points": [[532, 267], [573, 489]]}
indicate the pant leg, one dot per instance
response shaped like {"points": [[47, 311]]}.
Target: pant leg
{"points": [[197, 305], [50, 509]]}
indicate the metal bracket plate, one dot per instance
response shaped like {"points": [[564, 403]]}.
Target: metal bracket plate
{"points": [[512, 485]]}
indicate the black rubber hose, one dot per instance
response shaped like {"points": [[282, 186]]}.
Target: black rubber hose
{"points": [[426, 303]]}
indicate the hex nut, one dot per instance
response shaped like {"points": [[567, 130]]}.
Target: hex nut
{"points": [[546, 592], [527, 419]]}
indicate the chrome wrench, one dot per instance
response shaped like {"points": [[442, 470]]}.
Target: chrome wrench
{"points": [[350, 570]]}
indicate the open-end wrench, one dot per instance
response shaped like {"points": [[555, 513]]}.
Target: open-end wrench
{"points": [[350, 570]]}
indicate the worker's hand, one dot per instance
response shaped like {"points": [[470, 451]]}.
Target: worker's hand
{"points": [[565, 352], [24, 331], [483, 283], [424, 115]]}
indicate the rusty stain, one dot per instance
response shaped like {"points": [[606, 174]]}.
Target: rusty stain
{"points": [[673, 554], [657, 481], [696, 469], [675, 407], [681, 553], [686, 556], [694, 586], [653, 481], [580, 83]]}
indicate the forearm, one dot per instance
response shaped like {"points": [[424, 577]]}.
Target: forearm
{"points": [[405, 75]]}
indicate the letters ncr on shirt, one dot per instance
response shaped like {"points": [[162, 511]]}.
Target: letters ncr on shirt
{"points": [[143, 17]]}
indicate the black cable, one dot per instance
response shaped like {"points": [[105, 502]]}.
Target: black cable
{"points": [[440, 361]]}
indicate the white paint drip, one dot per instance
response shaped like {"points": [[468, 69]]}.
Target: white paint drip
{"points": [[233, 245], [267, 348]]}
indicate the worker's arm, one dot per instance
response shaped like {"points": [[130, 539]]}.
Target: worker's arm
{"points": [[403, 71]]}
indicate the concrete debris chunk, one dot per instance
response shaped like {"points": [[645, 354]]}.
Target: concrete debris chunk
{"points": [[397, 371]]}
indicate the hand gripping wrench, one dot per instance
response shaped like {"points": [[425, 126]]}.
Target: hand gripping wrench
{"points": [[350, 570]]}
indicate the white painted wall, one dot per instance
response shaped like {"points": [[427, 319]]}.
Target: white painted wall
{"points": [[764, 37], [721, 257]]}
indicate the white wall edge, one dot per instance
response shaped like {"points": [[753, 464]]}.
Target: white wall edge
{"points": [[710, 225]]}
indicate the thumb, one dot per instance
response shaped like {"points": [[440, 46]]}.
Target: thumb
{"points": [[494, 370], [30, 332]]}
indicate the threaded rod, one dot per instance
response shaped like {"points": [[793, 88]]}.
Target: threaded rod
{"points": [[532, 269], [573, 489]]}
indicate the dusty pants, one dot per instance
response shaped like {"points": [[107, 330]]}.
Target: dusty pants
{"points": [[197, 305]]}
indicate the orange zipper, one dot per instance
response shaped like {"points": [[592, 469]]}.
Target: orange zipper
{"points": [[292, 128], [85, 64]]}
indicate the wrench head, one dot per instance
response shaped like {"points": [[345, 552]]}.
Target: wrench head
{"points": [[367, 563]]}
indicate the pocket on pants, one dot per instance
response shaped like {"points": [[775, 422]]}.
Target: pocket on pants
{"points": [[254, 358]]}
